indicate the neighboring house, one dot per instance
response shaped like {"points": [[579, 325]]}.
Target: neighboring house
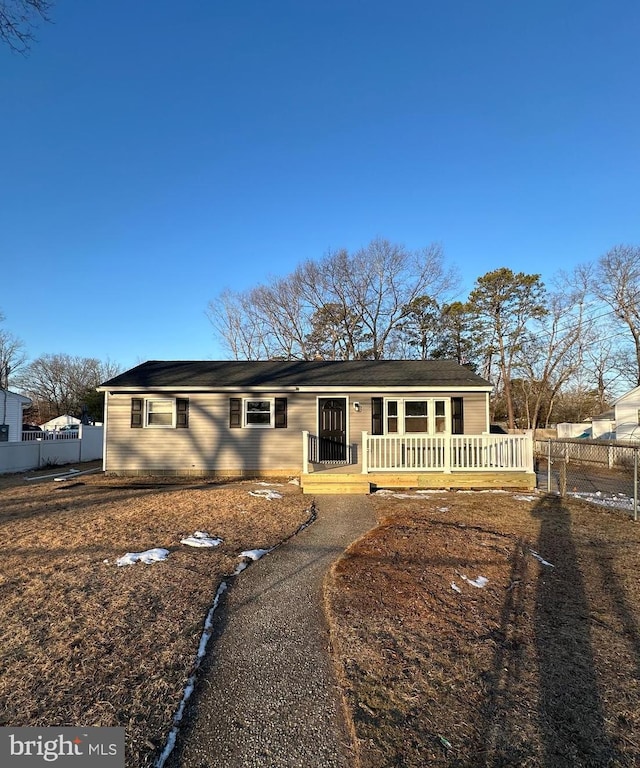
{"points": [[627, 415], [12, 407], [60, 421], [342, 425]]}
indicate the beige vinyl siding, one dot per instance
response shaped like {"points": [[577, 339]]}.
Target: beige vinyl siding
{"points": [[209, 445]]}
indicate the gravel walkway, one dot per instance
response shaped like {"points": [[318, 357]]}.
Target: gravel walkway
{"points": [[266, 694]]}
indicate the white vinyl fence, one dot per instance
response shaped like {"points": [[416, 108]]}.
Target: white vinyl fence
{"points": [[35, 453]]}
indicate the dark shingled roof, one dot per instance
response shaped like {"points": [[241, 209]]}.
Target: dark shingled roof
{"points": [[216, 374]]}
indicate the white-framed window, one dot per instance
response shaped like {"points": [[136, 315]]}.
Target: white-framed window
{"points": [[259, 412], [160, 412], [424, 416]]}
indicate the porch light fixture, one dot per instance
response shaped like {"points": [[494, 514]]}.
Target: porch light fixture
{"points": [[356, 406]]}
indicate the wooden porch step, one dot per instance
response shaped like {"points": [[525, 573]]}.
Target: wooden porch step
{"points": [[324, 483]]}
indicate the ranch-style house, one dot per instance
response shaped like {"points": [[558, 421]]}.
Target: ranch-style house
{"points": [[340, 426]]}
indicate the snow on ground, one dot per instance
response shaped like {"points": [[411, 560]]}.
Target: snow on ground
{"points": [[541, 559], [266, 494], [614, 500], [201, 539], [149, 556], [191, 682], [248, 556], [480, 581]]}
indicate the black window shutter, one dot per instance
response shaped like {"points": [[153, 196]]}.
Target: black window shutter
{"points": [[377, 425], [281, 413], [235, 412], [182, 412], [136, 412], [457, 416]]}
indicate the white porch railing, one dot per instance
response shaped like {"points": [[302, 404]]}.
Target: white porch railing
{"points": [[436, 453], [446, 453]]}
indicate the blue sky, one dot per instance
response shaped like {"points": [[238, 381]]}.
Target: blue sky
{"points": [[155, 153]]}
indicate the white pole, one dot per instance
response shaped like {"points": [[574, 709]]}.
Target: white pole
{"points": [[365, 454], [305, 452]]}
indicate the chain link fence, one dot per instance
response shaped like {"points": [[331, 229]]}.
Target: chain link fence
{"points": [[604, 472]]}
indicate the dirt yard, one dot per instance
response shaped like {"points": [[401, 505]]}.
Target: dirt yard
{"points": [[537, 666], [85, 642]]}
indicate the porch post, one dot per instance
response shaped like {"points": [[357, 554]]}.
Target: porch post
{"points": [[448, 447], [305, 452], [528, 453], [365, 454]]}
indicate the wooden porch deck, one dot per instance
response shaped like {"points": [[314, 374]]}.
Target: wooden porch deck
{"points": [[422, 461], [347, 479]]}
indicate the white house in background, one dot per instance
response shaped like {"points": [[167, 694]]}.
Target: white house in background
{"points": [[12, 406], [627, 411], [60, 421]]}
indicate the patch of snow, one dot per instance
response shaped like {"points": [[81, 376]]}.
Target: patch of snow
{"points": [[262, 482], [254, 554], [149, 556], [396, 494], [520, 497], [614, 500], [295, 481], [479, 581], [266, 494], [541, 559], [443, 509], [247, 556], [456, 588], [201, 539], [484, 490]]}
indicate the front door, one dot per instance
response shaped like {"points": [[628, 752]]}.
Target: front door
{"points": [[333, 428]]}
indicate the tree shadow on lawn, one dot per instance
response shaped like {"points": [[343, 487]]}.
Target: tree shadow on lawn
{"points": [[569, 726], [570, 709]]}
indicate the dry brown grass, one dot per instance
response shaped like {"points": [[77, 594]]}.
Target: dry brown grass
{"points": [[540, 668], [84, 642]]}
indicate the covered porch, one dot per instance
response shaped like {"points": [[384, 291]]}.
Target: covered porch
{"points": [[417, 461]]}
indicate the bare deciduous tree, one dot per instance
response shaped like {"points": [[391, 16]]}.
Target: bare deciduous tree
{"points": [[18, 20], [12, 355], [553, 353], [62, 384], [343, 305], [617, 284]]}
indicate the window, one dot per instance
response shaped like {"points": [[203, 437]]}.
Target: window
{"points": [[412, 416], [416, 416], [258, 413], [392, 416], [161, 413]]}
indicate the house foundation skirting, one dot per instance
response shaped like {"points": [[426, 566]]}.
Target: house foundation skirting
{"points": [[235, 474], [327, 482]]}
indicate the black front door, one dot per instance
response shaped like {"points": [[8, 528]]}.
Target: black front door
{"points": [[333, 428]]}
